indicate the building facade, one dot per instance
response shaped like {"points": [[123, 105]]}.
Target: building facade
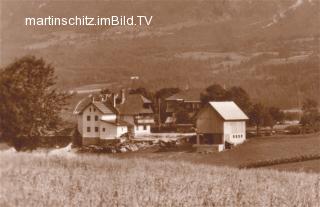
{"points": [[188, 100], [137, 110], [221, 123], [98, 121]]}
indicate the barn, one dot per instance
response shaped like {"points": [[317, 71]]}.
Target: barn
{"points": [[219, 124]]}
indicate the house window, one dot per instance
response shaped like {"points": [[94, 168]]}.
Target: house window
{"points": [[96, 118], [96, 129], [144, 127], [103, 129], [88, 129], [94, 109], [88, 118]]}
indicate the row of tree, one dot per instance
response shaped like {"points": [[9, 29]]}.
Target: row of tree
{"points": [[260, 115]]}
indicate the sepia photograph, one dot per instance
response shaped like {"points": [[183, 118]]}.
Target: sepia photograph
{"points": [[160, 103]]}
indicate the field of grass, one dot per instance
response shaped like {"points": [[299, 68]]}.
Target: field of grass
{"points": [[306, 166], [43, 180], [253, 150]]}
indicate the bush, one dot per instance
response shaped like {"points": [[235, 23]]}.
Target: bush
{"points": [[296, 129]]}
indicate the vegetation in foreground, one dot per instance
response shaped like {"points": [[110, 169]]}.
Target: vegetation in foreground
{"points": [[46, 180]]}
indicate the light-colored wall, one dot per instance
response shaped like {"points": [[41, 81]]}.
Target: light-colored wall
{"points": [[235, 131], [110, 130], [109, 117], [83, 123], [138, 129], [209, 121], [121, 130]]}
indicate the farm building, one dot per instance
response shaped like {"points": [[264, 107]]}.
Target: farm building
{"points": [[188, 99], [105, 117], [98, 122], [220, 123], [136, 110]]}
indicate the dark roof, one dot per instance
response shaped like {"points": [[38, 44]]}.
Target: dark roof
{"points": [[187, 95], [118, 122], [134, 104], [103, 107]]}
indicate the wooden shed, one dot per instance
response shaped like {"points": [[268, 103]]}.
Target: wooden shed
{"points": [[219, 123]]}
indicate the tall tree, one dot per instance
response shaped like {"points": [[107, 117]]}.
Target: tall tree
{"points": [[214, 92], [240, 97], [257, 116], [30, 105], [276, 114], [311, 115], [142, 91]]}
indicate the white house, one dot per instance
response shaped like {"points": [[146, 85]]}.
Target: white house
{"points": [[220, 123], [98, 122], [136, 110]]}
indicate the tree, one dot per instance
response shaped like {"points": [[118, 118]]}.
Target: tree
{"points": [[311, 116], [214, 92], [240, 97], [166, 92], [142, 91], [30, 105], [182, 116], [257, 116], [105, 91], [276, 114], [160, 96], [309, 105]]}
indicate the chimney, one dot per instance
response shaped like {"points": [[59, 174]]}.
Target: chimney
{"points": [[113, 99], [92, 98], [123, 96]]}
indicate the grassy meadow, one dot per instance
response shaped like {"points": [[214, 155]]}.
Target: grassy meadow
{"points": [[39, 179]]}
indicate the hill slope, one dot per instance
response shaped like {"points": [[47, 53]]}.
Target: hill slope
{"points": [[254, 44]]}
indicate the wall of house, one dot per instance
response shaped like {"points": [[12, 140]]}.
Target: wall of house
{"points": [[121, 130], [235, 131], [209, 121], [83, 123], [107, 131], [109, 117], [142, 129], [128, 119]]}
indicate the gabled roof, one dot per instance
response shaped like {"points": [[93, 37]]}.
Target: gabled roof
{"points": [[228, 110], [188, 95], [82, 104], [134, 104], [103, 107]]}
